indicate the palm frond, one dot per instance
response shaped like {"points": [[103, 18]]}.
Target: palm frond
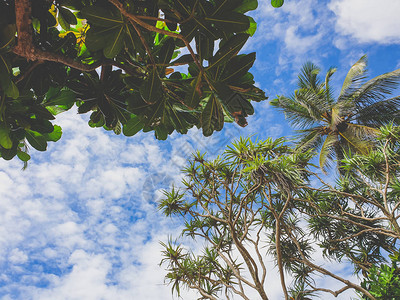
{"points": [[362, 132], [379, 113], [328, 92], [351, 141], [314, 102], [377, 89], [297, 114], [308, 78], [353, 78], [336, 117], [310, 138], [327, 151]]}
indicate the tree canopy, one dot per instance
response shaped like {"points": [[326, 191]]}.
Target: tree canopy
{"points": [[135, 65], [344, 124], [265, 198]]}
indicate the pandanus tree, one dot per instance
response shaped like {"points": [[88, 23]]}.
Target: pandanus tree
{"points": [[346, 124]]}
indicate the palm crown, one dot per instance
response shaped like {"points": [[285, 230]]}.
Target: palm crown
{"points": [[346, 124]]}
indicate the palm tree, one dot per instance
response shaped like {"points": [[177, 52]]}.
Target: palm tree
{"points": [[346, 124]]}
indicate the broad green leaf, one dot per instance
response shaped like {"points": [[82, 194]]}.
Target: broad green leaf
{"points": [[151, 89], [161, 132], [5, 140], [63, 22], [23, 156], [166, 51], [97, 39], [246, 6], [64, 97], [212, 117], [55, 135], [68, 16], [115, 43], [133, 126], [176, 119], [230, 22], [204, 46], [229, 49], [192, 98], [238, 67], [157, 114], [7, 36], [12, 90], [222, 6], [101, 17], [277, 3], [252, 28], [36, 140], [8, 154], [41, 125]]}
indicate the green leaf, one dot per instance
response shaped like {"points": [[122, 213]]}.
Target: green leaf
{"points": [[212, 117], [63, 23], [229, 49], [192, 97], [23, 156], [230, 21], [12, 90], [68, 16], [36, 140], [166, 51], [204, 46], [7, 36], [277, 3], [115, 43], [55, 135], [97, 39], [133, 126], [5, 79], [64, 97], [41, 125], [252, 28], [5, 140], [161, 132], [246, 6], [101, 17], [151, 89], [238, 67]]}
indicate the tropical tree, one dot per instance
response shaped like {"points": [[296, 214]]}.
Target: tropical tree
{"points": [[256, 201], [345, 124], [122, 61]]}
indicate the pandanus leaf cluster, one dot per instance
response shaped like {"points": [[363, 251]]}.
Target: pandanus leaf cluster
{"points": [[265, 201]]}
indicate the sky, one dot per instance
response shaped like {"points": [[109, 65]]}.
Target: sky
{"points": [[81, 221]]}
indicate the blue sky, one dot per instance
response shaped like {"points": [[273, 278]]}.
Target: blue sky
{"points": [[81, 223]]}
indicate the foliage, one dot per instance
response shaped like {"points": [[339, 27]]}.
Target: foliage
{"points": [[384, 282], [346, 124], [277, 3], [122, 61], [256, 199]]}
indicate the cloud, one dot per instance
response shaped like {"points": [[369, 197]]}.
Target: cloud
{"points": [[368, 21]]}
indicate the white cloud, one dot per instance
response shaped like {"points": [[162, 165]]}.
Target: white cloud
{"points": [[368, 21]]}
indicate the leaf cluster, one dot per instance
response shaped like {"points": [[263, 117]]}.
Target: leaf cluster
{"points": [[264, 199], [122, 62]]}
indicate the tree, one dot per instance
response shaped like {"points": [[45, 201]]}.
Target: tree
{"points": [[117, 60], [257, 199], [347, 123]]}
